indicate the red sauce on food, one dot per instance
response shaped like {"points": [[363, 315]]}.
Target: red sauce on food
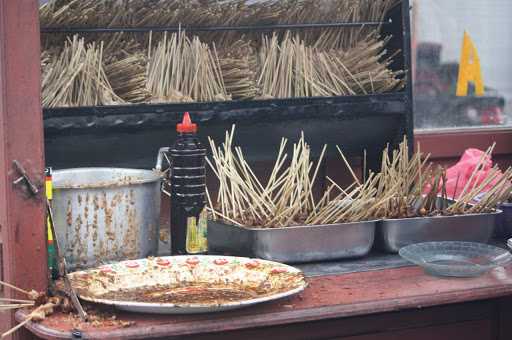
{"points": [[192, 261], [220, 262], [132, 265], [252, 264], [163, 262], [279, 270]]}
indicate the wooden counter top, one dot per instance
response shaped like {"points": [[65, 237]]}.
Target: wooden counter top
{"points": [[327, 297]]}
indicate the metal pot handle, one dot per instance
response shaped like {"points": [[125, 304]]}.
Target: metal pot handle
{"points": [[158, 167], [160, 158]]}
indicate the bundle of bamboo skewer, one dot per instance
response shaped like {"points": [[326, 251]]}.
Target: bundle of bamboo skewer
{"points": [[418, 190], [10, 304], [144, 13], [286, 198], [336, 11], [406, 187], [501, 186], [184, 70], [33, 299], [77, 77], [238, 66], [84, 13], [402, 179], [126, 67], [290, 68]]}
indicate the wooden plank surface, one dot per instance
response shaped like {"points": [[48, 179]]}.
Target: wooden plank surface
{"points": [[330, 297], [446, 147], [21, 138]]}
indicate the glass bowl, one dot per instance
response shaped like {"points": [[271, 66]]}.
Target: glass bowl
{"points": [[456, 259]]}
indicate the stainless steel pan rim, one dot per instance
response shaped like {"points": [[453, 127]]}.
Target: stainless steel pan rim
{"points": [[495, 212], [113, 177], [295, 227]]}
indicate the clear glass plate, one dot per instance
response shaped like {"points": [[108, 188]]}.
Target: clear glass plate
{"points": [[457, 259]]}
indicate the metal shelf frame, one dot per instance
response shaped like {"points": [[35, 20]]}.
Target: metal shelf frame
{"points": [[357, 123]]}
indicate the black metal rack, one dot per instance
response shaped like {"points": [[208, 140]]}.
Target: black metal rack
{"points": [[184, 28], [130, 135]]}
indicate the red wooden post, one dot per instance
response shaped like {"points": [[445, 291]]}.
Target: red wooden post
{"points": [[21, 138]]}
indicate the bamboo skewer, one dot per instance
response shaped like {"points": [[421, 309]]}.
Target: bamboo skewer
{"points": [[16, 300], [9, 307], [15, 288], [37, 314], [15, 328]]}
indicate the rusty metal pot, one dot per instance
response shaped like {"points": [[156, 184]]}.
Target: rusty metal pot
{"points": [[106, 214]]}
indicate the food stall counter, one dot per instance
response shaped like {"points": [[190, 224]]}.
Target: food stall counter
{"points": [[379, 304]]}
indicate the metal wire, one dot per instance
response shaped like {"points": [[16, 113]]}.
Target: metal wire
{"points": [[212, 28]]}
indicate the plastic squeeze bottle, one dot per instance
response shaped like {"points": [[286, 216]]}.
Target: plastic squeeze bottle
{"points": [[188, 191]]}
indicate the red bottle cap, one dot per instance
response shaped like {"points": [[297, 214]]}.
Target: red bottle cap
{"points": [[186, 126]]}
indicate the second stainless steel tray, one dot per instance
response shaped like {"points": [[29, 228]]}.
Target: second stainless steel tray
{"points": [[293, 244], [395, 234]]}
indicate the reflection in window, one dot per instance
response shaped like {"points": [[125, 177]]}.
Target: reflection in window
{"points": [[438, 30]]}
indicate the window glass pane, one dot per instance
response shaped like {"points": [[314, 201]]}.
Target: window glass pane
{"points": [[438, 32]]}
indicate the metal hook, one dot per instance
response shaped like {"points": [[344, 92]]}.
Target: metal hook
{"points": [[24, 177]]}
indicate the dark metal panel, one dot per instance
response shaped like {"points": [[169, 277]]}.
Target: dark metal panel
{"points": [[21, 139], [406, 27], [131, 135]]}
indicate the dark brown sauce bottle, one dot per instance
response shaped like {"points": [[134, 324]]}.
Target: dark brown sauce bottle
{"points": [[188, 192]]}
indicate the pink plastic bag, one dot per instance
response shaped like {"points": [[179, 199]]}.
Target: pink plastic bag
{"points": [[463, 171]]}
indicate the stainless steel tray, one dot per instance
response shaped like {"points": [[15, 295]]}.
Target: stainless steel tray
{"points": [[395, 234], [293, 244]]}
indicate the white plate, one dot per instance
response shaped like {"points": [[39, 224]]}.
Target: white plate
{"points": [[278, 279]]}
